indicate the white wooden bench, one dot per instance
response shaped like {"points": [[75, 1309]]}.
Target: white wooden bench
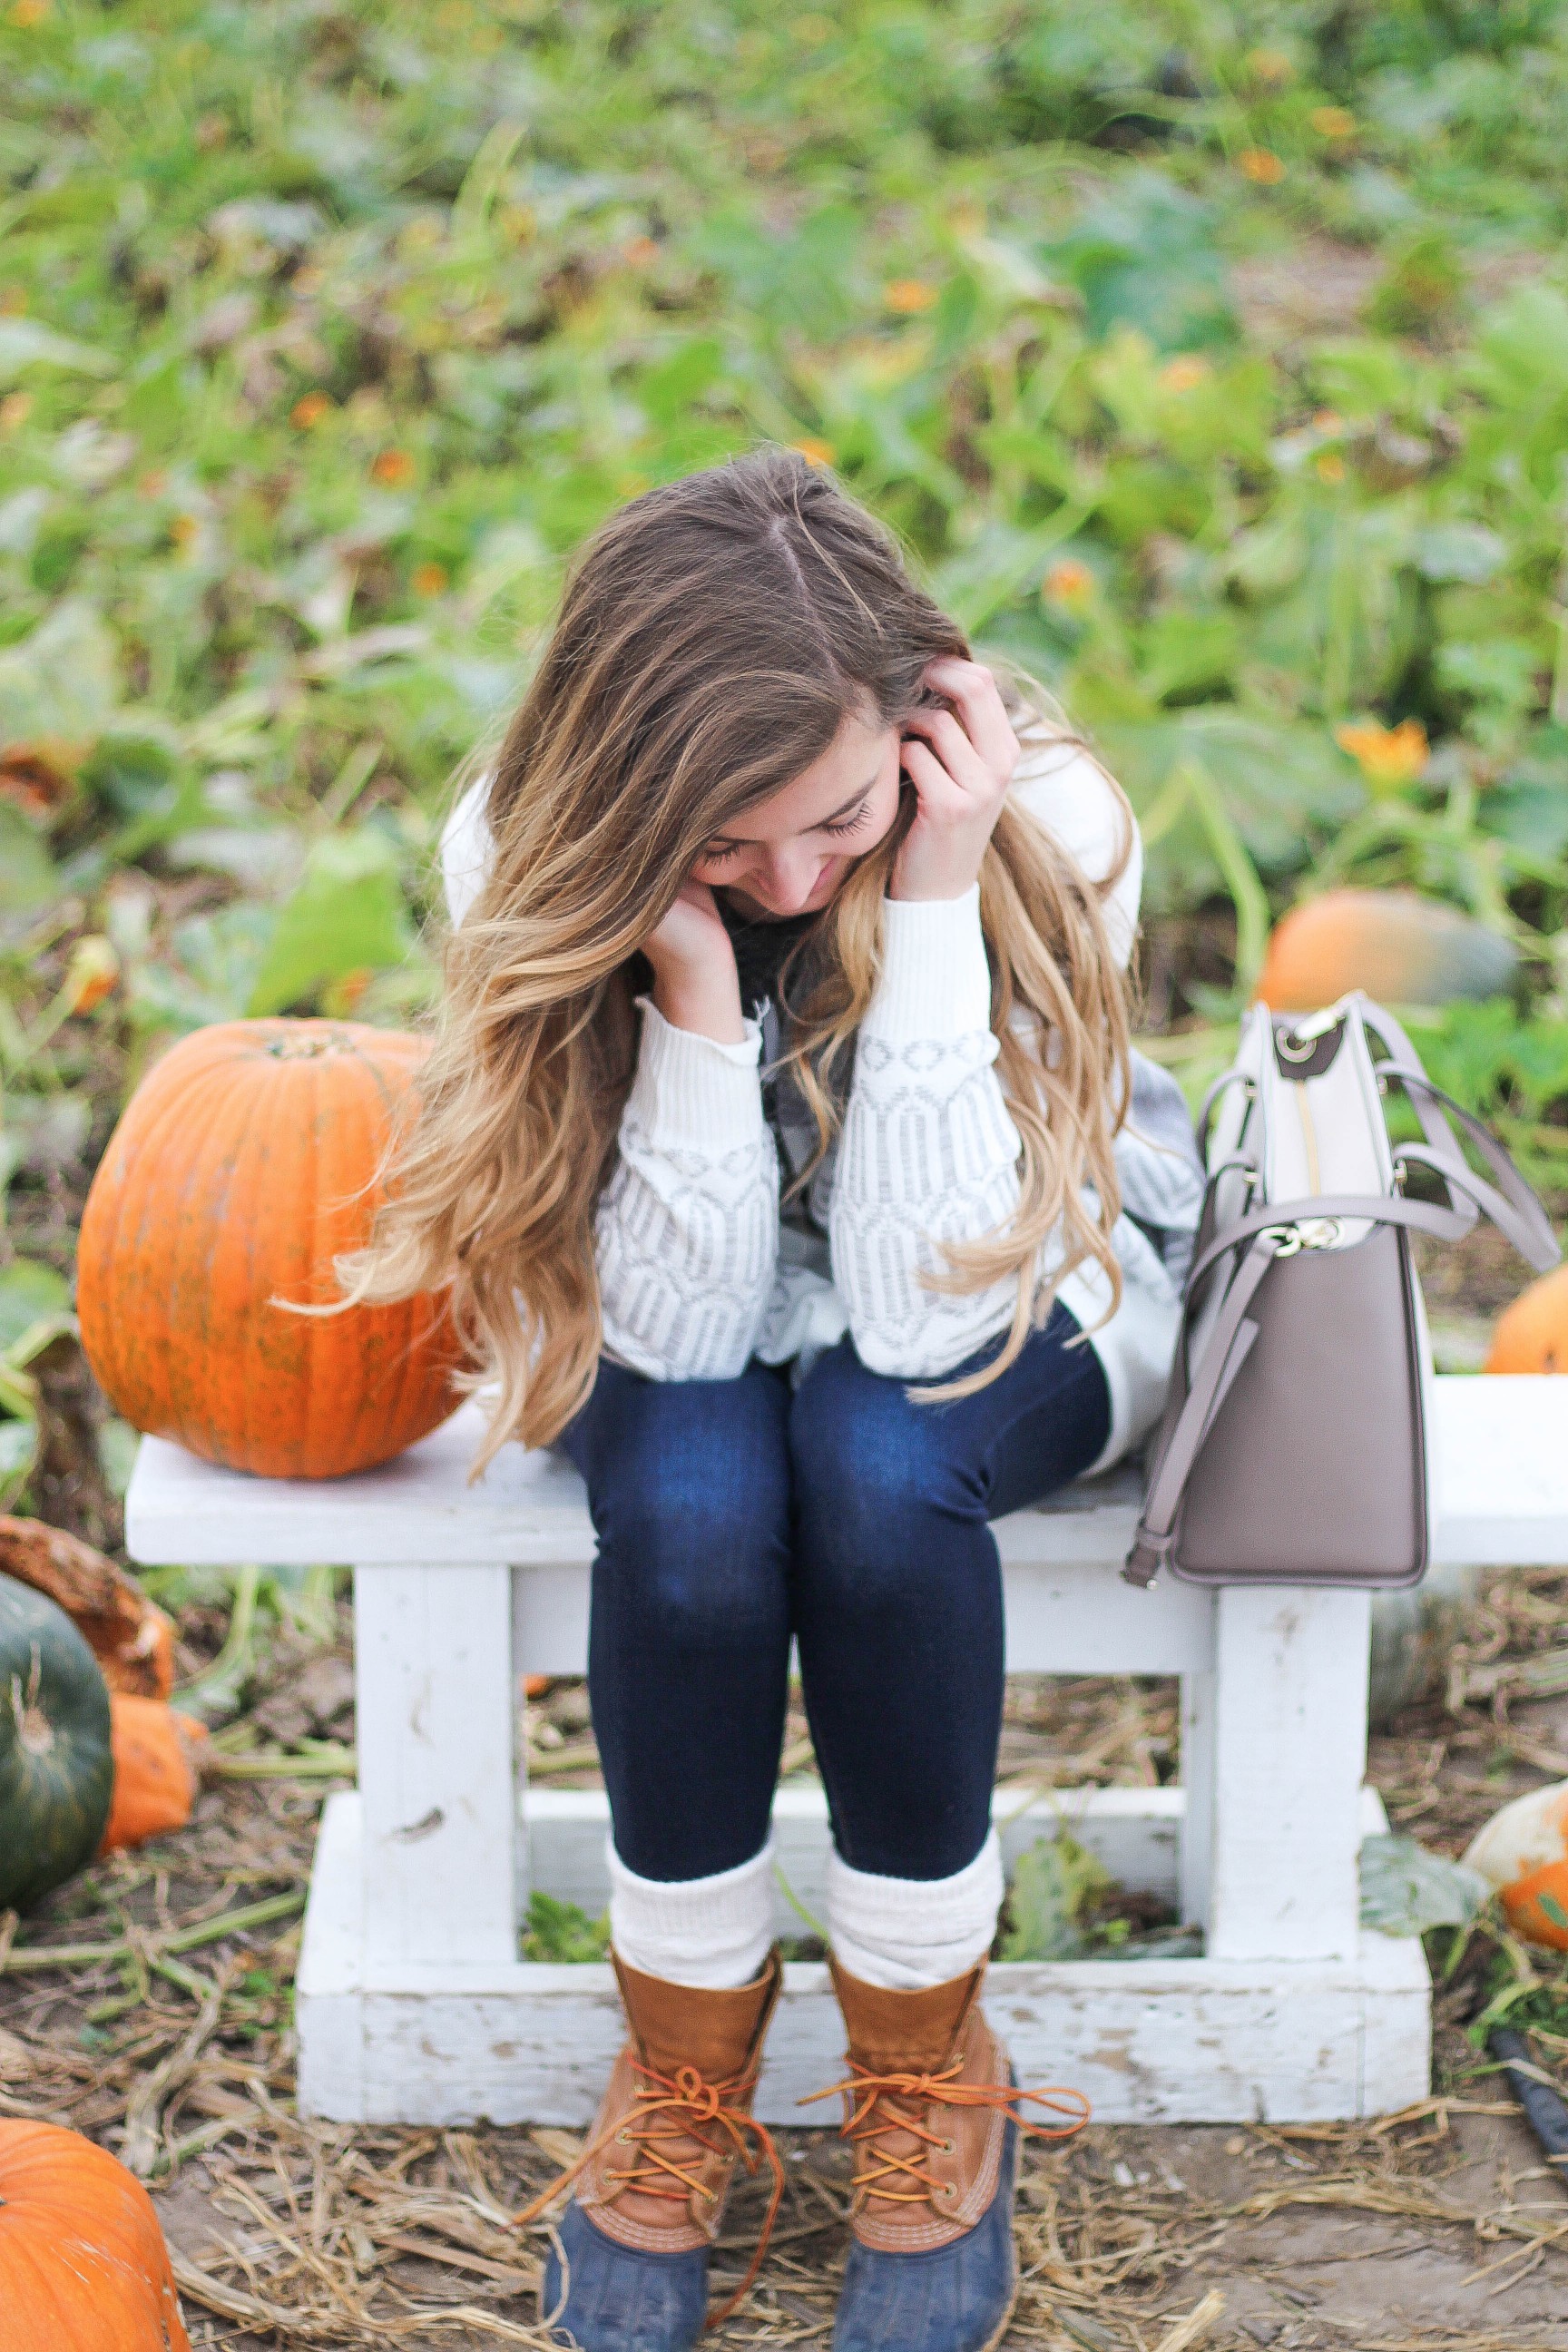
{"points": [[413, 2005]]}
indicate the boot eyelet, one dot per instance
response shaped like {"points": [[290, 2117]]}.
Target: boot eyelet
{"points": [[949, 2148], [623, 2139], [948, 2188]]}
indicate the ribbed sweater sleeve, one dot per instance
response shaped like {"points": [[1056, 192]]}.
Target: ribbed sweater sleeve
{"points": [[929, 1153], [689, 1223]]}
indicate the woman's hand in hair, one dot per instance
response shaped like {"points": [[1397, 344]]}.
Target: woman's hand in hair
{"points": [[961, 762], [695, 983]]}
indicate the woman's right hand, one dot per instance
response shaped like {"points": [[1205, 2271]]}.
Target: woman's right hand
{"points": [[695, 983]]}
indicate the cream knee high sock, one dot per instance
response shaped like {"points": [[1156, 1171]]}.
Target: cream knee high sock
{"points": [[709, 1933], [905, 1934]]}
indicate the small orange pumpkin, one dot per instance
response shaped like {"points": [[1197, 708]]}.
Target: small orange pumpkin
{"points": [[1522, 1852], [82, 2261], [1400, 947], [1531, 1334], [245, 1162], [156, 1774]]}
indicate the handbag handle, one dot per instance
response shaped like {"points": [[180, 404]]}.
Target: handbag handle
{"points": [[1508, 1200]]}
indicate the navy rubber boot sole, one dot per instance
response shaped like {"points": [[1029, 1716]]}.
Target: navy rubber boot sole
{"points": [[957, 2298], [618, 2300]]}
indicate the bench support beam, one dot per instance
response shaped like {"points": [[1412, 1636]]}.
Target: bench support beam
{"points": [[439, 1762]]}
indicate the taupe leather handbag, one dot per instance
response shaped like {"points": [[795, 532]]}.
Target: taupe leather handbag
{"points": [[1294, 1446]]}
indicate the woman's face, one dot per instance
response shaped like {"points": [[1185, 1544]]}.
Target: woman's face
{"points": [[789, 854]]}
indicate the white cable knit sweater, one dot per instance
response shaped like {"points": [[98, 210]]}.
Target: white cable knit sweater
{"points": [[692, 1276]]}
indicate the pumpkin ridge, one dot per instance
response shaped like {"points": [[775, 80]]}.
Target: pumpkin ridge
{"points": [[193, 1303], [246, 1199], [144, 1210], [373, 1403]]}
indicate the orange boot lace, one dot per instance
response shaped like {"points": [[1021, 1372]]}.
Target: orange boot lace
{"points": [[682, 2108], [873, 2109]]}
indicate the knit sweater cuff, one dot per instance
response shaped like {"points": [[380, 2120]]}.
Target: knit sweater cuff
{"points": [[693, 1093], [935, 983]]}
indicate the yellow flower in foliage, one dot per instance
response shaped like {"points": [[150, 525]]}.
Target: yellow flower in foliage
{"points": [[394, 468], [909, 296], [1070, 584], [427, 579], [1272, 68], [1328, 465], [814, 452], [15, 411], [1332, 121], [1386, 756], [1260, 165], [92, 973], [183, 530], [308, 413], [1184, 372], [26, 14]]}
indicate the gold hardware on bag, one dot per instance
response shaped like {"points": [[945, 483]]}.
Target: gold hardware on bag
{"points": [[1311, 1234]]}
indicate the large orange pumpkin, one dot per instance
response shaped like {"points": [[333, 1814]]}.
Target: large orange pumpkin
{"points": [[82, 2260], [1531, 1334], [244, 1165], [1400, 947]]}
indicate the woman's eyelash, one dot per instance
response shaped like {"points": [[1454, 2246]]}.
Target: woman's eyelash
{"points": [[717, 852]]}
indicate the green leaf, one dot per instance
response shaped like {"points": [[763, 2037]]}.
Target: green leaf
{"points": [[61, 685], [30, 1293], [18, 1443], [557, 1931], [26, 342], [1051, 1884], [347, 914], [27, 878], [1408, 1891]]}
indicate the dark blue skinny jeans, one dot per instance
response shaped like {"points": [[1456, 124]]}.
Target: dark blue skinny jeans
{"points": [[731, 1514]]}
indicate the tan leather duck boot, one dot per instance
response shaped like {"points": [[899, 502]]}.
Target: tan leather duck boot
{"points": [[628, 2272], [932, 2111]]}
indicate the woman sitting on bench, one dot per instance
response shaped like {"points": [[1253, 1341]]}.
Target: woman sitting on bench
{"points": [[783, 1136]]}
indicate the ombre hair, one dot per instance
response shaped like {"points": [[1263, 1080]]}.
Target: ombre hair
{"points": [[713, 637]]}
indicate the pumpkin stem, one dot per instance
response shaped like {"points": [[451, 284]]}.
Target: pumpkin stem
{"points": [[35, 1732]]}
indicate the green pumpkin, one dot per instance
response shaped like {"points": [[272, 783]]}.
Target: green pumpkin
{"points": [[57, 1759]]}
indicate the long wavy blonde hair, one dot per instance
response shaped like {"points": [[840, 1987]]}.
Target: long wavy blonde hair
{"points": [[713, 637]]}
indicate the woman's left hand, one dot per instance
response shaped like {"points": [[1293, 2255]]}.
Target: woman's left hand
{"points": [[961, 762]]}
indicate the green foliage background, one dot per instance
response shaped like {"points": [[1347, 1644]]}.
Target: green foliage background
{"points": [[1213, 361]]}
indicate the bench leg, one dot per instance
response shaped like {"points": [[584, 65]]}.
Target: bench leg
{"points": [[1281, 1746], [437, 1737], [1196, 1883]]}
